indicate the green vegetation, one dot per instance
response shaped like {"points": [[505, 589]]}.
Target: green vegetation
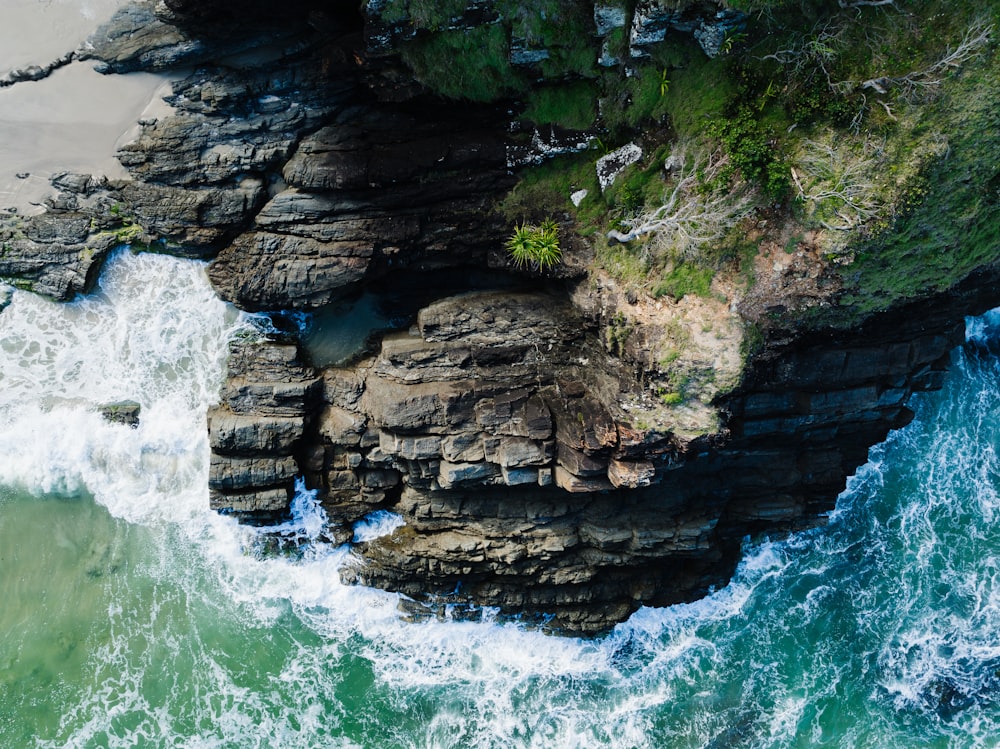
{"points": [[129, 233], [425, 14], [671, 397], [571, 105], [124, 228], [641, 99], [751, 150], [946, 221], [535, 246], [685, 279], [545, 190], [871, 130], [475, 64], [564, 28], [21, 284], [616, 334], [461, 64]]}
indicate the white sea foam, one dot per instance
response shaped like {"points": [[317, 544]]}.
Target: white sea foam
{"points": [[377, 524], [154, 333]]}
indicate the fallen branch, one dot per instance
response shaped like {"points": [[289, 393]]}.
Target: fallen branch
{"points": [[689, 217], [860, 3], [832, 174], [977, 36], [888, 111]]}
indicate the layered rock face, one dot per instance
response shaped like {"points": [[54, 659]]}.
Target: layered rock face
{"points": [[492, 428], [256, 432], [274, 157], [374, 190]]}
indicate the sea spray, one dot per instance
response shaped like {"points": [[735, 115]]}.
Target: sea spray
{"points": [[153, 332]]}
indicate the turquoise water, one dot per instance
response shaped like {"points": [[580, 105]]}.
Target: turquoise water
{"points": [[130, 616]]}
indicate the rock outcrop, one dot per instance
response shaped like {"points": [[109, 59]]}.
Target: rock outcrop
{"points": [[122, 412], [374, 190], [257, 431], [523, 486], [59, 253]]}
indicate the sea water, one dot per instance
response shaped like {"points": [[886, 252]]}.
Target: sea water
{"points": [[131, 616]]}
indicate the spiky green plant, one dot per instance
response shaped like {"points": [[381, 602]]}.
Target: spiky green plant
{"points": [[535, 246]]}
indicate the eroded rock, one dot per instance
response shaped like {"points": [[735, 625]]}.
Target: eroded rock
{"points": [[257, 431]]}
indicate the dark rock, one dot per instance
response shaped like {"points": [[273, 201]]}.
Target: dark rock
{"points": [[230, 474], [123, 412], [275, 271], [56, 255], [376, 191], [256, 432], [652, 19], [136, 38], [144, 35], [493, 427]]}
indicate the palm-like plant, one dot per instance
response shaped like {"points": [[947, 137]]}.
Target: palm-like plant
{"points": [[537, 246]]}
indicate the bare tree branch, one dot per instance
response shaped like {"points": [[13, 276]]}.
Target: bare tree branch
{"points": [[837, 177], [916, 82], [689, 217], [859, 3]]}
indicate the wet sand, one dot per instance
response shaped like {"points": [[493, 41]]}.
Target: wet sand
{"points": [[36, 32], [75, 119]]}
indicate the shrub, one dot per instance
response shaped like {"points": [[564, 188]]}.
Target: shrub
{"points": [[751, 150], [685, 279], [537, 246]]}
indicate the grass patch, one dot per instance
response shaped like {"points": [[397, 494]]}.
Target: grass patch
{"points": [[545, 190], [563, 27], [685, 279], [639, 185], [465, 64], [699, 87], [573, 106], [424, 14], [636, 101], [624, 265], [945, 220]]}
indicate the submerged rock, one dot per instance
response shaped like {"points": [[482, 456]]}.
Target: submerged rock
{"points": [[123, 412], [6, 296]]}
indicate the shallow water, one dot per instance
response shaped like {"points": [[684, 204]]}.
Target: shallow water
{"points": [[335, 334], [134, 617]]}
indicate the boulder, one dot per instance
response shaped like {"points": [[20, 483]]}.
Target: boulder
{"points": [[122, 412]]}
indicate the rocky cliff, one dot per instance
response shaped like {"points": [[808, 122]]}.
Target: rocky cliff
{"points": [[559, 445]]}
